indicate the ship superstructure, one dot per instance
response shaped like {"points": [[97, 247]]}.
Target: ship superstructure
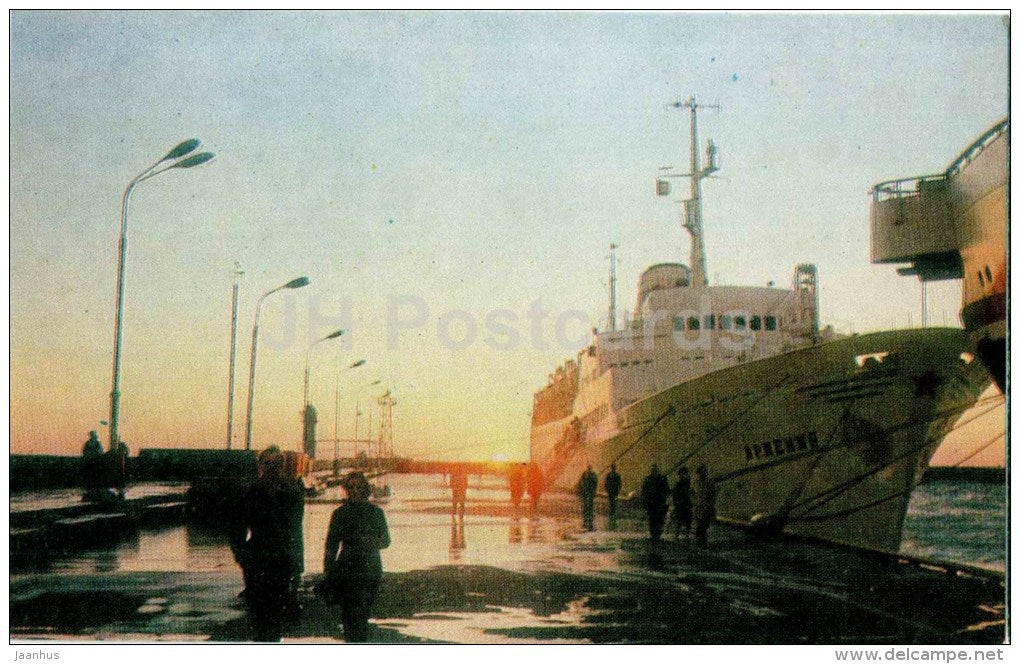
{"points": [[952, 225], [813, 433]]}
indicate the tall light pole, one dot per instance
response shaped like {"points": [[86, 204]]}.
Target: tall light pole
{"points": [[177, 153], [357, 413], [309, 416], [331, 335], [233, 348], [336, 417], [294, 283]]}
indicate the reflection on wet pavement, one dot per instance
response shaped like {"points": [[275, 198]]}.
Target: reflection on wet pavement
{"points": [[497, 576]]}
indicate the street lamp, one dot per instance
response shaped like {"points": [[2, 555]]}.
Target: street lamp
{"points": [[308, 413], [238, 273], [336, 417], [294, 283], [357, 413], [332, 335], [182, 149]]}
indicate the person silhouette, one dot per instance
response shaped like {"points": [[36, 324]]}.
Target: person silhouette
{"points": [[655, 498], [682, 503], [92, 459], [612, 486], [357, 532], [586, 488], [536, 484], [268, 544], [458, 490], [516, 482]]}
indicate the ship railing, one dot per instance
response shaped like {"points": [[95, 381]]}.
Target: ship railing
{"points": [[914, 186], [977, 147], [905, 187]]}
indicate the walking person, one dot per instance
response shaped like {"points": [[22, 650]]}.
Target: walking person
{"points": [[682, 503], [92, 459], [704, 504], [536, 484], [612, 485], [586, 488], [516, 483], [458, 489], [352, 564], [269, 544], [655, 498]]}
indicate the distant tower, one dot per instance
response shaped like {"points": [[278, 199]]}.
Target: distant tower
{"points": [[386, 403]]}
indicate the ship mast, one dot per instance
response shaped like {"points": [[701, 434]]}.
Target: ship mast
{"points": [[612, 286], [692, 206]]}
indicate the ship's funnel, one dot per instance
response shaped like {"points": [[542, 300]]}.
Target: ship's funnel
{"points": [[660, 277]]}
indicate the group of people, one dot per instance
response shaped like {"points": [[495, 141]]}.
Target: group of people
{"points": [[526, 476], [104, 471], [692, 504], [267, 538]]}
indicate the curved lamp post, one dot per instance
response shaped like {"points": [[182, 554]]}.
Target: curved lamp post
{"points": [[293, 283], [336, 417], [168, 162], [332, 335], [357, 413]]}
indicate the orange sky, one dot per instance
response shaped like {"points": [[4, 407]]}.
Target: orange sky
{"points": [[481, 167]]}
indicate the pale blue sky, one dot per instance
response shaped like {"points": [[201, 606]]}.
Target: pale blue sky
{"points": [[476, 160]]}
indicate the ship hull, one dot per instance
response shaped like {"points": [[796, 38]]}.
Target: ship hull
{"points": [[825, 442]]}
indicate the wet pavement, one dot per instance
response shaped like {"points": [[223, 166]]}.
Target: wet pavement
{"points": [[497, 576]]}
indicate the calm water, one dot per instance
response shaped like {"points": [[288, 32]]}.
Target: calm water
{"points": [[947, 520]]}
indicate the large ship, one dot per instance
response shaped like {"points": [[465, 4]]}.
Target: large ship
{"points": [[804, 431], [952, 225]]}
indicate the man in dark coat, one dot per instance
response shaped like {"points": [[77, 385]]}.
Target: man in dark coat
{"points": [[271, 544], [357, 531], [586, 488], [612, 484], [92, 457], [682, 503], [655, 498]]}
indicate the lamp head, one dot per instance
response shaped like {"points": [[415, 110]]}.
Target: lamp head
{"points": [[297, 283], [357, 364], [183, 148], [333, 335], [195, 160]]}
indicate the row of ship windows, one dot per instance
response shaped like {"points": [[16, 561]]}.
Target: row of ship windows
{"points": [[725, 322], [781, 446], [627, 364]]}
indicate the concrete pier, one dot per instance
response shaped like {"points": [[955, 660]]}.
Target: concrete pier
{"points": [[503, 576]]}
